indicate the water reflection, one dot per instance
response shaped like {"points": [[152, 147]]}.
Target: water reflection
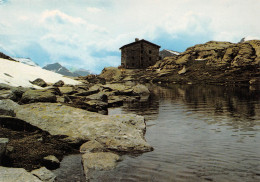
{"points": [[200, 133]]}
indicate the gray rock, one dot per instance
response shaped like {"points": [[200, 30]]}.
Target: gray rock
{"points": [[39, 82], [44, 174], [96, 88], [7, 107], [90, 105], [92, 146], [92, 90], [31, 96], [117, 132], [4, 86], [16, 174], [3, 144], [54, 90], [99, 96], [59, 83], [7, 94], [51, 162], [141, 90], [99, 161], [19, 91], [119, 89], [63, 99], [67, 90]]}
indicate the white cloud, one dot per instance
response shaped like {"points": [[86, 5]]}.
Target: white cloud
{"points": [[93, 9], [59, 17]]}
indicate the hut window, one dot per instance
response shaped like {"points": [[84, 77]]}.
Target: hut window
{"points": [[133, 64], [150, 52], [150, 58]]}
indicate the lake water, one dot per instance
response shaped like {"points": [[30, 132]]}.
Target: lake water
{"points": [[199, 133]]}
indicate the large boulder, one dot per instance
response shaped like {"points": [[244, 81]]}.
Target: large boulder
{"points": [[19, 91], [42, 95], [16, 174], [99, 161], [39, 82], [117, 132], [59, 83], [7, 94], [7, 107]]}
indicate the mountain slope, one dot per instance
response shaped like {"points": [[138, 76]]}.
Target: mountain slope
{"points": [[27, 61], [58, 68], [19, 74], [2, 55], [82, 72], [168, 53]]}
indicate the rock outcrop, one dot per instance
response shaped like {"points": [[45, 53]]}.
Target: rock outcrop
{"points": [[115, 132], [217, 54]]}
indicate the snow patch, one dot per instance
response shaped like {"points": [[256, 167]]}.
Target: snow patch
{"points": [[173, 52], [19, 74], [27, 61]]}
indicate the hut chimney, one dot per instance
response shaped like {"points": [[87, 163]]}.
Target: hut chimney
{"points": [[136, 39]]}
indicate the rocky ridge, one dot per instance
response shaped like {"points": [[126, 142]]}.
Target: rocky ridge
{"points": [[210, 63]]}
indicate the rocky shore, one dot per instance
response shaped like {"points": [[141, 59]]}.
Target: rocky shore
{"points": [[39, 126]]}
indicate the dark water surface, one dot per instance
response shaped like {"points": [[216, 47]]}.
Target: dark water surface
{"points": [[199, 133]]}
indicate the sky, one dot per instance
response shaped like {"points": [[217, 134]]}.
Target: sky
{"points": [[88, 33]]}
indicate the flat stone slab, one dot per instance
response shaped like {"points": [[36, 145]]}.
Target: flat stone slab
{"points": [[116, 132], [16, 174], [44, 174]]}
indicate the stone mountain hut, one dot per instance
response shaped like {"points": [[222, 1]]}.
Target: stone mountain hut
{"points": [[139, 54]]}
